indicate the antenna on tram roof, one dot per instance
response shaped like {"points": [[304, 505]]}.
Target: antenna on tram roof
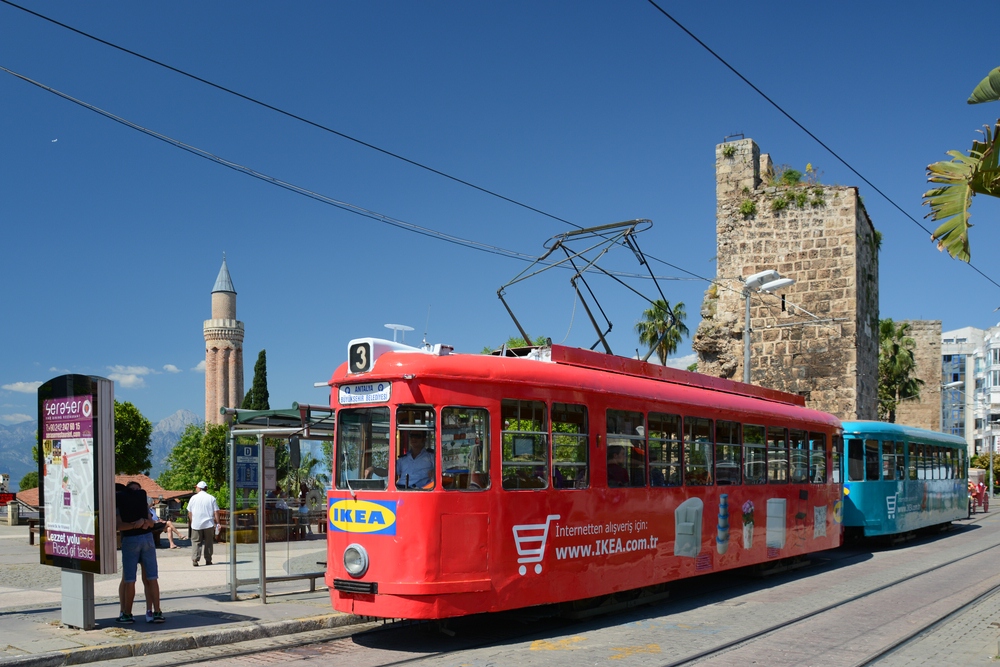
{"points": [[397, 328], [427, 324]]}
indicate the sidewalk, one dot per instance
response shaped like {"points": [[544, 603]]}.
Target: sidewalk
{"points": [[194, 600]]}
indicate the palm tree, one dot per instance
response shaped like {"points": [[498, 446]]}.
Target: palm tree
{"points": [[896, 366], [963, 177], [657, 321]]}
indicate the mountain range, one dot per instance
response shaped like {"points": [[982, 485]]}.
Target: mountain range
{"points": [[17, 440]]}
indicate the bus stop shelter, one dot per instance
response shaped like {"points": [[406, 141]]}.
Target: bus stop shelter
{"points": [[257, 514]]}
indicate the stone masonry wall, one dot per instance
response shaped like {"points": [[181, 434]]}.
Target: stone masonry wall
{"points": [[819, 337], [924, 412]]}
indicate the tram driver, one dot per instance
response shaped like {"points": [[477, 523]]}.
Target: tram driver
{"points": [[415, 468]]}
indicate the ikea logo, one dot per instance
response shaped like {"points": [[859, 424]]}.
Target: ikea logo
{"points": [[377, 517]]}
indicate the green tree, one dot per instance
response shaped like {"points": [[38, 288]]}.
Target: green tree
{"points": [[132, 440], [657, 321], [183, 471], [257, 397], [516, 341], [896, 366], [213, 456], [29, 481], [963, 177]]}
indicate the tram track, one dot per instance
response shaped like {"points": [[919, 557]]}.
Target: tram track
{"points": [[354, 639], [787, 623]]}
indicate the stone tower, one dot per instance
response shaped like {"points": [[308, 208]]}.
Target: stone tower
{"points": [[819, 337], [223, 350], [925, 411]]}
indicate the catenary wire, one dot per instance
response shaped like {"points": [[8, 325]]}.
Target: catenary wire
{"points": [[289, 114], [346, 206], [350, 207], [325, 128], [801, 127]]}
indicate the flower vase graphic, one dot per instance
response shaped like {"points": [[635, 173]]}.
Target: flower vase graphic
{"points": [[748, 524], [722, 533]]}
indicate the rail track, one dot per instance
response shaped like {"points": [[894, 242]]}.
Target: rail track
{"points": [[386, 644]]}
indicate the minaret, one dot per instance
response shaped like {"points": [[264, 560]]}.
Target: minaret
{"points": [[223, 350]]}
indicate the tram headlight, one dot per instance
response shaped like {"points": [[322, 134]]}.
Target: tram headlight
{"points": [[356, 560]]}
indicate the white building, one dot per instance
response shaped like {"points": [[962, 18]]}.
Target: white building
{"points": [[970, 393]]}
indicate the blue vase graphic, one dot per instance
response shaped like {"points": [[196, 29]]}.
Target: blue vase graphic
{"points": [[722, 534]]}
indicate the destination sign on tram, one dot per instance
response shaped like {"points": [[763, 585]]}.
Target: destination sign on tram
{"points": [[371, 392]]}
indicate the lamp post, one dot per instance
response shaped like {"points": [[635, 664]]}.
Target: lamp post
{"points": [[765, 281]]}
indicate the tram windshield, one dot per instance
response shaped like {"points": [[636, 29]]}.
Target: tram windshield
{"points": [[362, 448]]}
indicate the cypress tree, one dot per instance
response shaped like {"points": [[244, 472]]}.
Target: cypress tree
{"points": [[257, 397]]}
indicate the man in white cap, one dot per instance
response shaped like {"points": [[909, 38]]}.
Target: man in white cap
{"points": [[203, 516]]}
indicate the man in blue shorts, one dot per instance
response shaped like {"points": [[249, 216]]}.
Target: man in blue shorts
{"points": [[133, 520]]}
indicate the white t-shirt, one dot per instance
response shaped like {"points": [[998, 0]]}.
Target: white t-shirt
{"points": [[202, 507]]}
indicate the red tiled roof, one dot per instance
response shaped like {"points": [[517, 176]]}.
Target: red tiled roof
{"points": [[153, 490]]}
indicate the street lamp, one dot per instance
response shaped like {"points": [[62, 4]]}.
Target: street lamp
{"points": [[766, 281]]}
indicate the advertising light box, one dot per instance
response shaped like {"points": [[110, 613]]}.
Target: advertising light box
{"points": [[76, 470]]}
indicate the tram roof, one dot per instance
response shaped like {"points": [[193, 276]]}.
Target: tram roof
{"points": [[554, 355], [885, 429]]}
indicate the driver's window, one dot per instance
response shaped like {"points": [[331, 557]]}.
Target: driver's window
{"points": [[415, 441], [362, 448]]}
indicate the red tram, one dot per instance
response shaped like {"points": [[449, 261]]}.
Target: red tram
{"points": [[475, 483]]}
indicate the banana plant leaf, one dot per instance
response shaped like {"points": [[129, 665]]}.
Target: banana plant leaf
{"points": [[988, 89], [961, 178]]}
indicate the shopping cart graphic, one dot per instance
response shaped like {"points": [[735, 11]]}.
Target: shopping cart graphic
{"points": [[890, 505], [530, 541]]}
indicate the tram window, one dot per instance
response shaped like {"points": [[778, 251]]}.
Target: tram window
{"points": [[570, 445], [698, 451], [727, 452], [963, 467], [777, 455], [664, 449], [416, 437], [525, 437], [626, 448], [891, 452], [922, 466], [362, 449], [911, 464], [754, 457], [465, 449], [835, 461], [855, 460], [817, 458], [798, 456], [871, 460]]}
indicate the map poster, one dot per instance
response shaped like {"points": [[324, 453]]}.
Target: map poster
{"points": [[68, 466], [76, 473]]}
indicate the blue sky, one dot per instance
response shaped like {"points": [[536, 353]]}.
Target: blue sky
{"points": [[594, 112]]}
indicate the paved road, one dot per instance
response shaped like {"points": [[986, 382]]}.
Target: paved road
{"points": [[669, 631]]}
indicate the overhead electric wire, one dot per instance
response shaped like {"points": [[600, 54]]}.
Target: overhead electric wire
{"points": [[800, 126], [289, 114], [346, 206], [325, 128]]}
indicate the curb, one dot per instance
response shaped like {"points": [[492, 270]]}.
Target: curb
{"points": [[183, 642]]}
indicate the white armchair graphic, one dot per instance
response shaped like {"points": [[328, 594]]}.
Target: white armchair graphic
{"points": [[687, 527]]}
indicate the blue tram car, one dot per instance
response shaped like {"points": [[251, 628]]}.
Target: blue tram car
{"points": [[899, 479]]}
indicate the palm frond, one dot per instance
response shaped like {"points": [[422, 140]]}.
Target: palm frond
{"points": [[988, 89], [961, 178]]}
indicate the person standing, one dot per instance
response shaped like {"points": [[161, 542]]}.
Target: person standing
{"points": [[203, 517], [132, 519]]}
